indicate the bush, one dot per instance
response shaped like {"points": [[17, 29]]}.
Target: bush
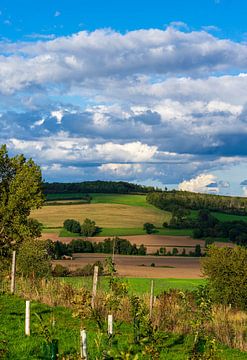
{"points": [[174, 251], [33, 259], [149, 228], [60, 271], [72, 226], [88, 270], [226, 269], [198, 250]]}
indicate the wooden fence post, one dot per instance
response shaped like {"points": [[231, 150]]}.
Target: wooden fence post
{"points": [[95, 281], [110, 324], [83, 344], [27, 318], [151, 299], [12, 284]]}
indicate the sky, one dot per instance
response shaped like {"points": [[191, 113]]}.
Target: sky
{"points": [[152, 92]]}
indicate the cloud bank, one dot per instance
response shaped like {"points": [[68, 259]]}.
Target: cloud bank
{"points": [[157, 105]]}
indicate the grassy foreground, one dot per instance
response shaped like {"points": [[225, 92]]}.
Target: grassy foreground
{"points": [[15, 345]]}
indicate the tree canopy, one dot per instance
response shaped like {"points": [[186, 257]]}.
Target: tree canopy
{"points": [[20, 192]]}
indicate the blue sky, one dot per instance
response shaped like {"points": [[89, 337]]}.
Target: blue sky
{"points": [[146, 91]]}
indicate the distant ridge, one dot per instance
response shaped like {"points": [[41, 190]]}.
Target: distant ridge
{"points": [[85, 187]]}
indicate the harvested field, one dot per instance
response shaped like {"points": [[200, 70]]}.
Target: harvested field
{"points": [[152, 242], [140, 266], [105, 215]]}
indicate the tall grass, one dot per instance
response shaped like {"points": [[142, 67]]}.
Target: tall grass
{"points": [[174, 311]]}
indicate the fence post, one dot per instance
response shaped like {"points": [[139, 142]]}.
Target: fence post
{"points": [[83, 344], [95, 281], [27, 318], [12, 284], [110, 324], [151, 299]]}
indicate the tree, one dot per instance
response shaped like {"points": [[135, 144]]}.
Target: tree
{"points": [[33, 260], [20, 192], [149, 228], [88, 228], [198, 250], [226, 269], [72, 225]]}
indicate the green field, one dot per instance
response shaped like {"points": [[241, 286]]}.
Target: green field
{"points": [[124, 232], [72, 196], [139, 286], [221, 216], [125, 199], [15, 345], [115, 214]]}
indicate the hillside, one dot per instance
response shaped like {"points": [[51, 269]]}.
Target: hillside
{"points": [[166, 200]]}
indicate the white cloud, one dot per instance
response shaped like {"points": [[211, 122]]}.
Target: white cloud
{"points": [[58, 114], [74, 59], [204, 183], [57, 13], [122, 169]]}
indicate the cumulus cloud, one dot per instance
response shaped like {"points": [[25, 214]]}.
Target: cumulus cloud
{"points": [[204, 183], [163, 105], [104, 53]]}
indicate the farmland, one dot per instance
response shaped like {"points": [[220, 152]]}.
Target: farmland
{"points": [[105, 215], [143, 266]]}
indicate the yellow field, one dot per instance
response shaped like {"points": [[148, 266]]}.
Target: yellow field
{"points": [[105, 215]]}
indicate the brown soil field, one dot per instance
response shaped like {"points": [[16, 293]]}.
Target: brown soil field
{"points": [[139, 266], [152, 242], [105, 215]]}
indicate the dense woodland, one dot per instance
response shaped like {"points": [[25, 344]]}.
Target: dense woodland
{"points": [[167, 200], [110, 187]]}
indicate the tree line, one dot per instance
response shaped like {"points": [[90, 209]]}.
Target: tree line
{"points": [[56, 249], [118, 187], [167, 200]]}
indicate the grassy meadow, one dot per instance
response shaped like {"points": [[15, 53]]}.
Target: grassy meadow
{"points": [[138, 286], [66, 329]]}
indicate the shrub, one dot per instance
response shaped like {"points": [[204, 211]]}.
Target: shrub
{"points": [[33, 259], [72, 225], [198, 250], [174, 251], [226, 269], [60, 271], [149, 228], [88, 228]]}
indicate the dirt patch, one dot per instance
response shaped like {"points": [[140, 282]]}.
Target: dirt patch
{"points": [[140, 266]]}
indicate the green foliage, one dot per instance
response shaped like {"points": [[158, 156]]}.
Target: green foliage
{"points": [[198, 250], [33, 259], [149, 228], [72, 226], [87, 187], [119, 246], [60, 271], [167, 200], [20, 192], [226, 269], [88, 228]]}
